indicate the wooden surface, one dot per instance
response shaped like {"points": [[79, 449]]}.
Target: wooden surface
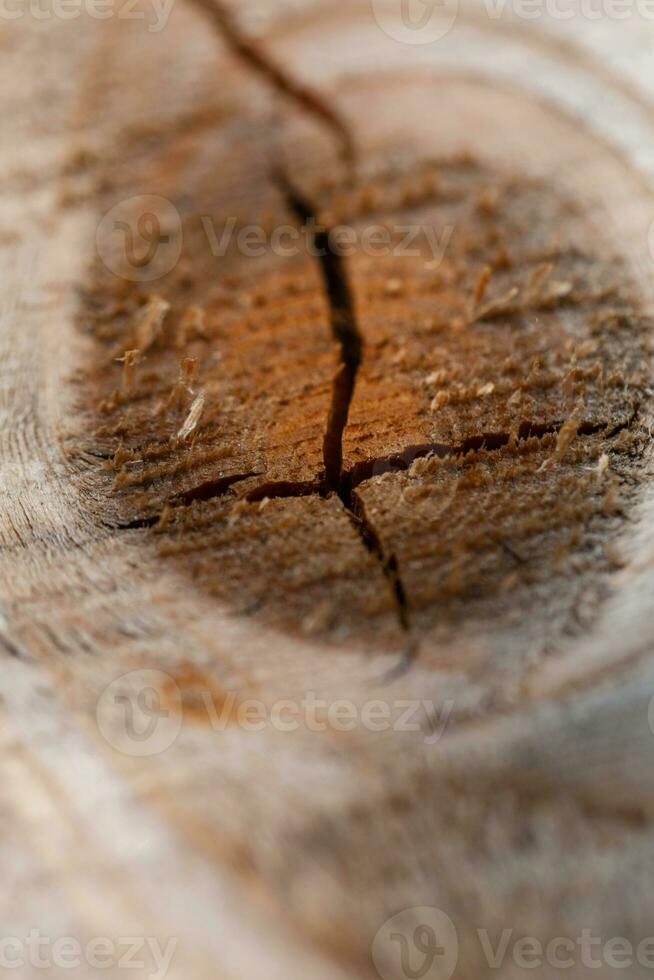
{"points": [[522, 799]]}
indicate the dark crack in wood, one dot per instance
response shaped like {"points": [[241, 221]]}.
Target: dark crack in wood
{"points": [[486, 442], [203, 492], [282, 490], [254, 55], [210, 489], [356, 510], [344, 329]]}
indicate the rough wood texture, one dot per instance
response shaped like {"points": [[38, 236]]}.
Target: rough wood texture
{"points": [[187, 524]]}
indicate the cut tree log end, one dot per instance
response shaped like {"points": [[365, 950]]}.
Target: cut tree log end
{"points": [[412, 476], [427, 450]]}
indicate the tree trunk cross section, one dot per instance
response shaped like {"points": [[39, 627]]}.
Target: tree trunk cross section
{"points": [[396, 460]]}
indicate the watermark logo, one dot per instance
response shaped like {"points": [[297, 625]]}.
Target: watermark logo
{"points": [[411, 240], [142, 713], [140, 239], [134, 716], [154, 14], [565, 10], [35, 951], [416, 21], [416, 944], [427, 21], [650, 712], [422, 944]]}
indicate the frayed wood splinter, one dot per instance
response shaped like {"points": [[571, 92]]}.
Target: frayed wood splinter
{"points": [[192, 419]]}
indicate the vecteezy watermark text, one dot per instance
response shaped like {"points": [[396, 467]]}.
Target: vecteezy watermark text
{"points": [[154, 14], [427, 21], [142, 713], [374, 241], [422, 943], [150, 956], [590, 10], [140, 239]]}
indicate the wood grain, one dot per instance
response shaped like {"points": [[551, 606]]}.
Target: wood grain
{"points": [[522, 799]]}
